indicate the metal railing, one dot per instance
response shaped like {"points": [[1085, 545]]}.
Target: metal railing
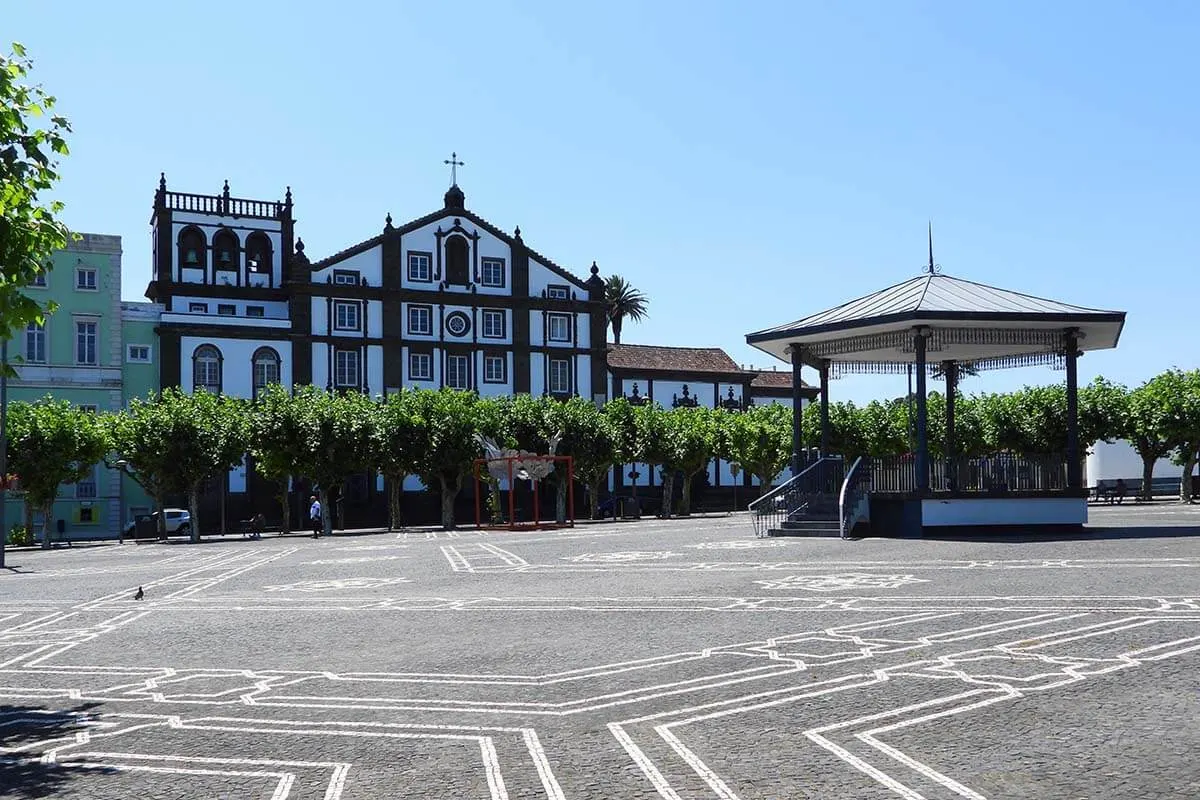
{"points": [[819, 481], [853, 499], [1003, 472]]}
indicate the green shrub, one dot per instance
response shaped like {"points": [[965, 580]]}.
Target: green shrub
{"points": [[20, 536]]}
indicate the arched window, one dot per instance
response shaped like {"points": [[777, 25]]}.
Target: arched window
{"points": [[192, 252], [225, 250], [258, 254], [206, 369], [458, 261], [265, 365]]}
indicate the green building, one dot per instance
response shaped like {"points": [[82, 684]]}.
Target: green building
{"points": [[81, 354]]}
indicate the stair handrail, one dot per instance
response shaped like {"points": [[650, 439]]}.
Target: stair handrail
{"points": [[850, 498], [765, 511]]}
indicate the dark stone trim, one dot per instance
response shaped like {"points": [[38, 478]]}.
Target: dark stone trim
{"points": [[210, 290], [407, 273], [169, 357], [503, 356], [227, 331], [503, 272]]}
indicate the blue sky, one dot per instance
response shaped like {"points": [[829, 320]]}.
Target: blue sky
{"points": [[743, 164]]}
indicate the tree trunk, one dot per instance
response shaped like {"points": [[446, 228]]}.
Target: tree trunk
{"points": [[326, 512], [594, 497], [1185, 481], [449, 493], [285, 502], [498, 509], [27, 520], [47, 520], [161, 512], [1147, 477], [616, 326], [685, 502], [224, 479], [194, 509], [560, 501], [341, 509], [668, 486], [395, 489]]}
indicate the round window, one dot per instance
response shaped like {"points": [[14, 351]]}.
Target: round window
{"points": [[457, 323]]}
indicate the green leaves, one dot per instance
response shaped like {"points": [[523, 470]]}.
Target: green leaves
{"points": [[29, 232], [50, 443]]}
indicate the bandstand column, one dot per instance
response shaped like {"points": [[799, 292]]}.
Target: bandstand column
{"points": [[797, 409], [950, 371], [922, 461], [824, 407], [1074, 468]]}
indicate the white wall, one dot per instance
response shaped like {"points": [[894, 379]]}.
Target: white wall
{"points": [[494, 389], [538, 337], [272, 309], [1108, 461], [425, 240], [541, 276], [237, 378], [368, 263], [321, 326]]}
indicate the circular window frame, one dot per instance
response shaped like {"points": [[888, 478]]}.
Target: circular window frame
{"points": [[458, 317]]}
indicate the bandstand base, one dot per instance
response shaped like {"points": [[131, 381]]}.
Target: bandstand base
{"points": [[914, 516]]}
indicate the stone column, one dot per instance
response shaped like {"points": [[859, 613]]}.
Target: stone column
{"points": [[797, 409], [1074, 467], [922, 463], [824, 407]]}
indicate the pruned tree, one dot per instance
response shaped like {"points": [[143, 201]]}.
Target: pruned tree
{"points": [[277, 443], [1149, 425], [449, 417], [50, 443], [401, 438], [590, 438], [338, 439], [141, 443], [651, 446], [757, 440], [29, 231], [691, 441]]}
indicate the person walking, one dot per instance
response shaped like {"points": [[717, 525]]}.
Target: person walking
{"points": [[314, 516]]}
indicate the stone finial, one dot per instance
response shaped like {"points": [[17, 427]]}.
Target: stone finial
{"points": [[387, 222], [287, 196], [162, 181], [225, 191], [595, 269], [517, 232], [299, 245]]}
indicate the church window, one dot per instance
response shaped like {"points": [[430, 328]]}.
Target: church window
{"points": [[258, 253], [558, 292], [346, 367], [420, 320], [265, 367], [493, 272], [458, 261], [419, 267], [560, 376], [345, 316], [495, 369], [458, 372], [226, 309], [192, 252], [206, 369], [255, 311], [198, 308], [420, 366], [559, 326], [493, 323], [346, 277], [225, 249]]}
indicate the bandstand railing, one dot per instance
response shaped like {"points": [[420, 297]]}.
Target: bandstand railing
{"points": [[1003, 472], [853, 499], [819, 481]]}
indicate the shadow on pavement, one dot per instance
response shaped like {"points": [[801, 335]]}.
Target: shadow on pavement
{"points": [[26, 732]]}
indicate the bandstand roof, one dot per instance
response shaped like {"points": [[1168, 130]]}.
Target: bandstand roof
{"points": [[968, 322]]}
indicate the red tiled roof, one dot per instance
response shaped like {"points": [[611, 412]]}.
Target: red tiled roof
{"points": [[675, 359], [773, 379]]}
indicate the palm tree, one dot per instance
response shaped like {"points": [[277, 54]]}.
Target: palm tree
{"points": [[623, 301]]}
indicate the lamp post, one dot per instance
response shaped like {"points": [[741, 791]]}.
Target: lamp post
{"points": [[120, 464], [3, 448]]}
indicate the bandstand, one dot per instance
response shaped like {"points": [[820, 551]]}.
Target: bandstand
{"points": [[933, 323]]}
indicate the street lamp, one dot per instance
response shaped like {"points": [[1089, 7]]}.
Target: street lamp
{"points": [[120, 464]]}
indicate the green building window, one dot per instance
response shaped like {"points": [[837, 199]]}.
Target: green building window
{"points": [[85, 342], [35, 343]]}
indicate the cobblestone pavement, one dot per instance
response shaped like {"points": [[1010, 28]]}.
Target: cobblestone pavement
{"points": [[650, 660]]}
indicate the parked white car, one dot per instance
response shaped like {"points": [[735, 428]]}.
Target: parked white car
{"points": [[179, 522]]}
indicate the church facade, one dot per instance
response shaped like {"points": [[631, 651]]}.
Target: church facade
{"points": [[445, 300]]}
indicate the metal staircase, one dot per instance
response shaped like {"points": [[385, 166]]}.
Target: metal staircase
{"points": [[808, 504]]}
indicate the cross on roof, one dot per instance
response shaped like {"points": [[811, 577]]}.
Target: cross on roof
{"points": [[454, 165]]}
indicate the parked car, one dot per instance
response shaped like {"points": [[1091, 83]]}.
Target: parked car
{"points": [[179, 522]]}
